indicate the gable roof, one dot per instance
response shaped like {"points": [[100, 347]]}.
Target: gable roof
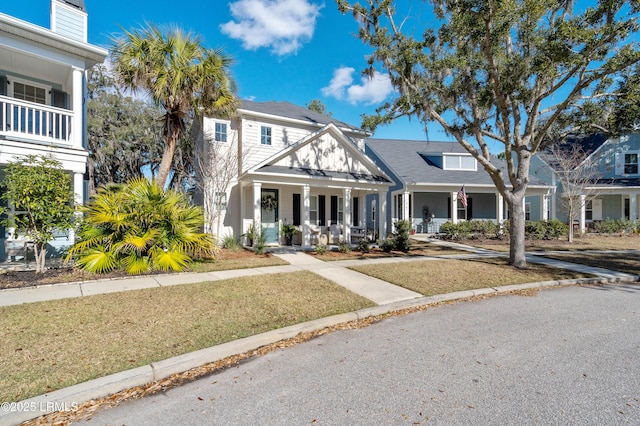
{"points": [[409, 161], [362, 168], [294, 112], [589, 144]]}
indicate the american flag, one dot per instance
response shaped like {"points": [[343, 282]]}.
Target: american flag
{"points": [[462, 196]]}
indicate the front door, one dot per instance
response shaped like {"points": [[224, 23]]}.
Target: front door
{"points": [[269, 201]]}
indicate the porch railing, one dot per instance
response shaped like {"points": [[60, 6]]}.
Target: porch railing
{"points": [[31, 121]]}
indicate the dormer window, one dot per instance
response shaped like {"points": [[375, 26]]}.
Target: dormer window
{"points": [[460, 162]]}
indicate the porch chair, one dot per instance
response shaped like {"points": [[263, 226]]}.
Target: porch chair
{"points": [[334, 234]]}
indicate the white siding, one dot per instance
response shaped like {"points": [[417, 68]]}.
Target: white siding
{"points": [[324, 154]]}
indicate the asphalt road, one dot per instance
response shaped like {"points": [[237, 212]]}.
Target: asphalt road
{"points": [[567, 356]]}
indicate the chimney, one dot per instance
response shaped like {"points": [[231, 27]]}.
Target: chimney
{"points": [[69, 18]]}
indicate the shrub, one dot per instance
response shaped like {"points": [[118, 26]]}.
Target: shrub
{"points": [[139, 227], [534, 230], [260, 241], [231, 243], [554, 229], [344, 247], [321, 249], [455, 231], [364, 245], [388, 245], [401, 236]]}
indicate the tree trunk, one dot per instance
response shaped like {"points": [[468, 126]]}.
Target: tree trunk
{"points": [[167, 160], [40, 256], [516, 234]]}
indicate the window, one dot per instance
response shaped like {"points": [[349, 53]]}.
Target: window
{"points": [[220, 200], [527, 211], [265, 135], [313, 210], [588, 210], [221, 132], [29, 93], [459, 162], [340, 210], [631, 164], [462, 210], [373, 211]]}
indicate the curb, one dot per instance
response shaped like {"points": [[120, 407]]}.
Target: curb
{"points": [[77, 394]]}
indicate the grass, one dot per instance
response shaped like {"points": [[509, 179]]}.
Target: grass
{"points": [[628, 262], [588, 242], [50, 345], [431, 277]]}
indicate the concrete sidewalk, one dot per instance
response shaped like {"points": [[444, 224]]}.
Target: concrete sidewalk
{"points": [[388, 297]]}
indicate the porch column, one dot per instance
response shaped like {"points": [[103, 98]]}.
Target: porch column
{"points": [[545, 207], [257, 208], [633, 206], [78, 198], [583, 213], [77, 133], [243, 210], [306, 217], [405, 206], [346, 225], [382, 216], [499, 208], [363, 210], [454, 207]]}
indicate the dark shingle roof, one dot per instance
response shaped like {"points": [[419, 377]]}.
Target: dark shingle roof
{"points": [[76, 3], [587, 143], [410, 162], [289, 110], [323, 174]]}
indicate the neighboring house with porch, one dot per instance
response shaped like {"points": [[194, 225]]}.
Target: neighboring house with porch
{"points": [[294, 166], [615, 188], [429, 177], [43, 94]]}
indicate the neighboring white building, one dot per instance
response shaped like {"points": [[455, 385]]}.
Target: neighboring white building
{"points": [[614, 191], [293, 166], [43, 92]]}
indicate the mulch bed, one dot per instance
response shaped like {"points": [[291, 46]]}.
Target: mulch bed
{"points": [[21, 279]]}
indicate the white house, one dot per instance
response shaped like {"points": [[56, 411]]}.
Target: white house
{"points": [[43, 92], [614, 189], [293, 166]]}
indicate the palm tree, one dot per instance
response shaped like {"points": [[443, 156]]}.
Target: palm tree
{"points": [[139, 227], [178, 74]]}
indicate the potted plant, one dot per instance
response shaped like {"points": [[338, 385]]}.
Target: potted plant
{"points": [[287, 232]]}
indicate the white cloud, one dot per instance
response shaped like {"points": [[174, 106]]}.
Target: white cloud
{"points": [[281, 25], [372, 90], [341, 79]]}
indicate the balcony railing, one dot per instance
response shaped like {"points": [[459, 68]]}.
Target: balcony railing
{"points": [[31, 121]]}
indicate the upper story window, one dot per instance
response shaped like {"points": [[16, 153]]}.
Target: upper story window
{"points": [[29, 93], [460, 162], [265, 135], [220, 132], [631, 163]]}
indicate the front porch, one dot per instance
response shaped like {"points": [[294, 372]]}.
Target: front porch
{"points": [[429, 208], [322, 215]]}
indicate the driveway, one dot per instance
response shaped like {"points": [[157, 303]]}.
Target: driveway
{"points": [[557, 357]]}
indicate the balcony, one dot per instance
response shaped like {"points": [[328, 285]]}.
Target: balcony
{"points": [[30, 121]]}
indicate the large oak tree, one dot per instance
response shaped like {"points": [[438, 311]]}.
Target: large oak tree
{"points": [[497, 72]]}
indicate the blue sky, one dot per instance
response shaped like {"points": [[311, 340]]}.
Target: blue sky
{"points": [[284, 50]]}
